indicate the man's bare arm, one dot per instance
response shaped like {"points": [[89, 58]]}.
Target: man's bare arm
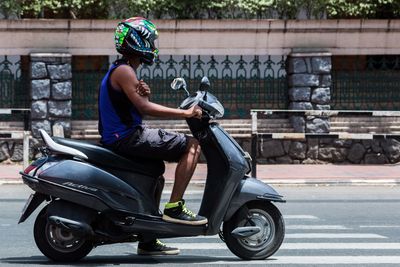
{"points": [[124, 78]]}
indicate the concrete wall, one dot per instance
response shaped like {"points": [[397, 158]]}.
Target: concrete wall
{"points": [[207, 37]]}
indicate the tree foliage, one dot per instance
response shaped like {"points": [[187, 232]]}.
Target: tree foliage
{"points": [[201, 9]]}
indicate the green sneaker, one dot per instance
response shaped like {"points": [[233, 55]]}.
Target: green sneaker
{"points": [[155, 248], [178, 213]]}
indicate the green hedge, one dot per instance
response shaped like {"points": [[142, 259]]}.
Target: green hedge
{"points": [[201, 9]]}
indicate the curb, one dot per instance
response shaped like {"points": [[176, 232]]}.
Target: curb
{"points": [[276, 182]]}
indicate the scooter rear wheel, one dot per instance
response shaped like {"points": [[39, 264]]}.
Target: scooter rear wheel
{"points": [[59, 244], [263, 244]]}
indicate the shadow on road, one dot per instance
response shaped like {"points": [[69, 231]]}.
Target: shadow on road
{"points": [[128, 259]]}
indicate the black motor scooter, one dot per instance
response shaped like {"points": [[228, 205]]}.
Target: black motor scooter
{"points": [[95, 197]]}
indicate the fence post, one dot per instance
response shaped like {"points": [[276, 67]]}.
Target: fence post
{"points": [[309, 79], [51, 91], [254, 143]]}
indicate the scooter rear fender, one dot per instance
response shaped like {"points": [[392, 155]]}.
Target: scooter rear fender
{"points": [[251, 189]]}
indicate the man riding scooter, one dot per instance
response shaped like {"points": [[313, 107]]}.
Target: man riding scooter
{"points": [[124, 100]]}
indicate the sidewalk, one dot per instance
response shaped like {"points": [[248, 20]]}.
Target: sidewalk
{"points": [[278, 174]]}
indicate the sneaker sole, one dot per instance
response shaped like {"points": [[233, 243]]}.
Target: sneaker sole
{"points": [[173, 220], [142, 252]]}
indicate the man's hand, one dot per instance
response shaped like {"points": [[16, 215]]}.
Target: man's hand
{"points": [[143, 89], [194, 112]]}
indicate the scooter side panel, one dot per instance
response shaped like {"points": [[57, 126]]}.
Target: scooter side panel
{"points": [[80, 176], [251, 189], [226, 167]]}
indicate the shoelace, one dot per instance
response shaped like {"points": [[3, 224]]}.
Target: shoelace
{"points": [[188, 212], [159, 243]]}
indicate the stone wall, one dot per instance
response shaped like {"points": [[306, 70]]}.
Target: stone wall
{"points": [[12, 150], [51, 92], [326, 150]]}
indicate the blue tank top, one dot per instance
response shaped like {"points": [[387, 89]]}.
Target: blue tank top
{"points": [[118, 117]]}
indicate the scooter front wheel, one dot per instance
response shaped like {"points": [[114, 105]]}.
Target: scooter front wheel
{"points": [[262, 244], [59, 244]]}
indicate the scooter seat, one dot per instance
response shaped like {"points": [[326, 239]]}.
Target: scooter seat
{"points": [[101, 156]]}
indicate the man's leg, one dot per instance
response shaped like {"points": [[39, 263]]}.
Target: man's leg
{"points": [[185, 169], [176, 211]]}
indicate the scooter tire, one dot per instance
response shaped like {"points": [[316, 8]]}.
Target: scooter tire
{"points": [[251, 250], [48, 247]]}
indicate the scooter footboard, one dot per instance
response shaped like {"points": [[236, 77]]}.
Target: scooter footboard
{"points": [[251, 189]]}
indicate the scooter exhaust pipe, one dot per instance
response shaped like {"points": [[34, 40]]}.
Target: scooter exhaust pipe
{"points": [[78, 228], [246, 231]]}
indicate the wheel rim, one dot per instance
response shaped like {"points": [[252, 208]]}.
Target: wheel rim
{"points": [[61, 239], [266, 235]]}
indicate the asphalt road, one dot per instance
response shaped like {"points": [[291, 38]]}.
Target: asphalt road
{"points": [[326, 226]]}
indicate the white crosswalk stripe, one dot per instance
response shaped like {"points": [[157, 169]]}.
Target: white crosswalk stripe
{"points": [[345, 245], [295, 246], [316, 260]]}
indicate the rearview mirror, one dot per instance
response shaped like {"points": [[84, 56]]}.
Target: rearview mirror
{"points": [[179, 84]]}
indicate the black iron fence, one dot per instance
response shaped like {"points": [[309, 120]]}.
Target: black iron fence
{"points": [[14, 86], [240, 82], [366, 83]]}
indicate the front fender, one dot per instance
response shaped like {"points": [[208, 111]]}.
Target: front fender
{"points": [[251, 189]]}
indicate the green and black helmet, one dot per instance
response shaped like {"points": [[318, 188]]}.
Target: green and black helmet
{"points": [[136, 36]]}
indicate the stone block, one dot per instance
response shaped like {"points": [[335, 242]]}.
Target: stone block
{"points": [[326, 81], [339, 154], [39, 109], [298, 150], [40, 89], [60, 72], [296, 65], [376, 159], [286, 145], [303, 80], [272, 149], [321, 65], [300, 106], [17, 154], [318, 125], [391, 148], [356, 153], [321, 96], [40, 124], [312, 145], [300, 94], [62, 91], [325, 153], [39, 70], [60, 108]]}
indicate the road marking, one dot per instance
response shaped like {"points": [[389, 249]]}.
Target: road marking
{"points": [[331, 236], [338, 246], [379, 226], [316, 227], [300, 217], [312, 260], [294, 246], [304, 235]]}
